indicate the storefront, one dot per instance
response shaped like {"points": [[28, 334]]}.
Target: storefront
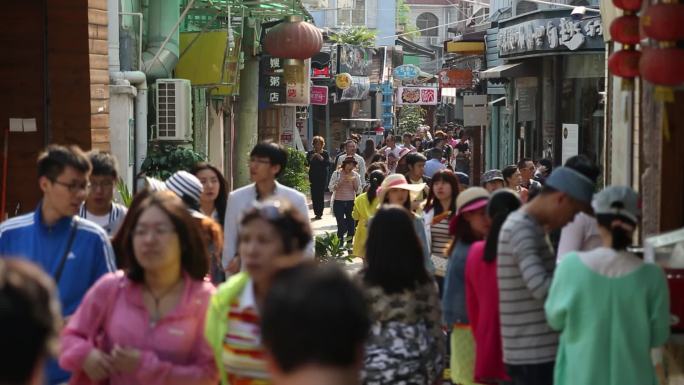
{"points": [[554, 85]]}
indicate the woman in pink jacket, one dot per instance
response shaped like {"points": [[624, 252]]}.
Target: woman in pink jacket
{"points": [[147, 326]]}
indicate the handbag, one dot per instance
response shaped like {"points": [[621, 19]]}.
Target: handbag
{"points": [[98, 338]]}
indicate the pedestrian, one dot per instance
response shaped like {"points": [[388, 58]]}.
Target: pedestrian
{"points": [[418, 144], [391, 146], [527, 170], [392, 162], [145, 326], [544, 170], [492, 180], [318, 161], [463, 180], [310, 339], [513, 181], [351, 147], [402, 166], [610, 307], [434, 163], [214, 191], [525, 265], [395, 190], [74, 251], [582, 234], [267, 161], [416, 175], [29, 322], [100, 207], [482, 292], [406, 343], [271, 232], [439, 209], [345, 183], [365, 206], [469, 225], [369, 151], [406, 142]]}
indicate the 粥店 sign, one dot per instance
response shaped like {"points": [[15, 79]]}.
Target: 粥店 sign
{"points": [[417, 95], [282, 84], [548, 35]]}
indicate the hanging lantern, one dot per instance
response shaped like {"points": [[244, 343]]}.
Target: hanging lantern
{"points": [[662, 66], [628, 5], [293, 39], [625, 29], [664, 21], [624, 64]]}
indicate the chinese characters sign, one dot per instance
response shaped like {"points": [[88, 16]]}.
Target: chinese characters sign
{"points": [[406, 72], [284, 84], [417, 95], [456, 78], [558, 34], [319, 95]]}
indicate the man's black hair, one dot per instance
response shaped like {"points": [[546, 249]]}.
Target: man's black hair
{"points": [[55, 158], [29, 320], [415, 157], [523, 163], [314, 315], [547, 163], [273, 151], [583, 165], [104, 164]]}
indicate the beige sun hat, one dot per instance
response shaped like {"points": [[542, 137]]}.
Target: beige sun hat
{"points": [[398, 181]]}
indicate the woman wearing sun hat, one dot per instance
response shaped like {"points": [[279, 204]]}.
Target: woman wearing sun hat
{"points": [[469, 225], [396, 190]]}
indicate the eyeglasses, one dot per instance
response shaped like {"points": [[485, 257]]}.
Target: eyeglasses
{"points": [[75, 187], [158, 231], [104, 185]]}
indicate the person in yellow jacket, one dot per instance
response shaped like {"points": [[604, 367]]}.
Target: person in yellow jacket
{"points": [[271, 234], [365, 206]]}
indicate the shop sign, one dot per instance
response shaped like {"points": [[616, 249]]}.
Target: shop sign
{"points": [[455, 78], [343, 81], [417, 95], [298, 84], [288, 85], [319, 95], [406, 72], [358, 89], [354, 60], [570, 146], [323, 73], [557, 34]]}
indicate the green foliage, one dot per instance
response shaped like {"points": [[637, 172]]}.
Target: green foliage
{"points": [[358, 36], [124, 193], [403, 22], [410, 118], [164, 159], [329, 248], [295, 174]]}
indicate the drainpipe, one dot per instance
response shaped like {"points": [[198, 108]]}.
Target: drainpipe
{"points": [[136, 78], [162, 52]]}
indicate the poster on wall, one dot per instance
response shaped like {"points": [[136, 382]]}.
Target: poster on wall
{"points": [[570, 134], [417, 95], [319, 95], [354, 60], [358, 90]]}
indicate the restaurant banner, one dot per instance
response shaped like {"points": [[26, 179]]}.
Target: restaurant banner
{"points": [[417, 95], [319, 95], [284, 85], [455, 79]]}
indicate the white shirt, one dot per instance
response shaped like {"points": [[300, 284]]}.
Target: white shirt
{"points": [[579, 235], [101, 220], [610, 263]]}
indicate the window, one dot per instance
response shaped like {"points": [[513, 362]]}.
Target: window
{"points": [[351, 12], [427, 20]]}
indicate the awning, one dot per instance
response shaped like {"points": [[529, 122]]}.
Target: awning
{"points": [[510, 70]]}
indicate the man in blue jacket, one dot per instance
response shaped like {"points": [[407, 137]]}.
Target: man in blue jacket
{"points": [[75, 252]]}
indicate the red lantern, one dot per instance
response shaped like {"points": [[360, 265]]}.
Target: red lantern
{"points": [[293, 39], [662, 66], [628, 5], [625, 29], [664, 21], [624, 64]]}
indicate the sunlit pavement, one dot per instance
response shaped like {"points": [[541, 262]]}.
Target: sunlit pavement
{"points": [[327, 224]]}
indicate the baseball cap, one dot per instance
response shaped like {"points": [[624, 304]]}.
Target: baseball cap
{"points": [[573, 183], [491, 176], [618, 200]]}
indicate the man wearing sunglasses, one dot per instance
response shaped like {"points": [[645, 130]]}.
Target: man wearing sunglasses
{"points": [[267, 161], [74, 251]]}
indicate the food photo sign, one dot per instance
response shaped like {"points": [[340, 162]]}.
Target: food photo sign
{"points": [[417, 95]]}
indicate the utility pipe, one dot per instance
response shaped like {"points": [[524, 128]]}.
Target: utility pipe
{"points": [[140, 40], [163, 61], [136, 78]]}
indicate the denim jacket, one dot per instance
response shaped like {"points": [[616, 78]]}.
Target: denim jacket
{"points": [[453, 298]]}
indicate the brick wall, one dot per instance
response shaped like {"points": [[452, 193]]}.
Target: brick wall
{"points": [[99, 74]]}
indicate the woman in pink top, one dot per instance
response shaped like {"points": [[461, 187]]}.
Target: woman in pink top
{"points": [[147, 326], [482, 292]]}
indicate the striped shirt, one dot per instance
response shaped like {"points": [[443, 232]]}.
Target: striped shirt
{"points": [[525, 268], [243, 354], [439, 232]]}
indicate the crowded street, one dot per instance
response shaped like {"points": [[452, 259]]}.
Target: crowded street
{"points": [[329, 192]]}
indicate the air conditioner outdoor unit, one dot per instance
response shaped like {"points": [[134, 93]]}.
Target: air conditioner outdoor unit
{"points": [[174, 110]]}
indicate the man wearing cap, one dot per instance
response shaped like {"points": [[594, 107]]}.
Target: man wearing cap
{"points": [[492, 180], [525, 267]]}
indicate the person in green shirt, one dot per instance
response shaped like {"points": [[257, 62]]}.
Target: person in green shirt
{"points": [[610, 307]]}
